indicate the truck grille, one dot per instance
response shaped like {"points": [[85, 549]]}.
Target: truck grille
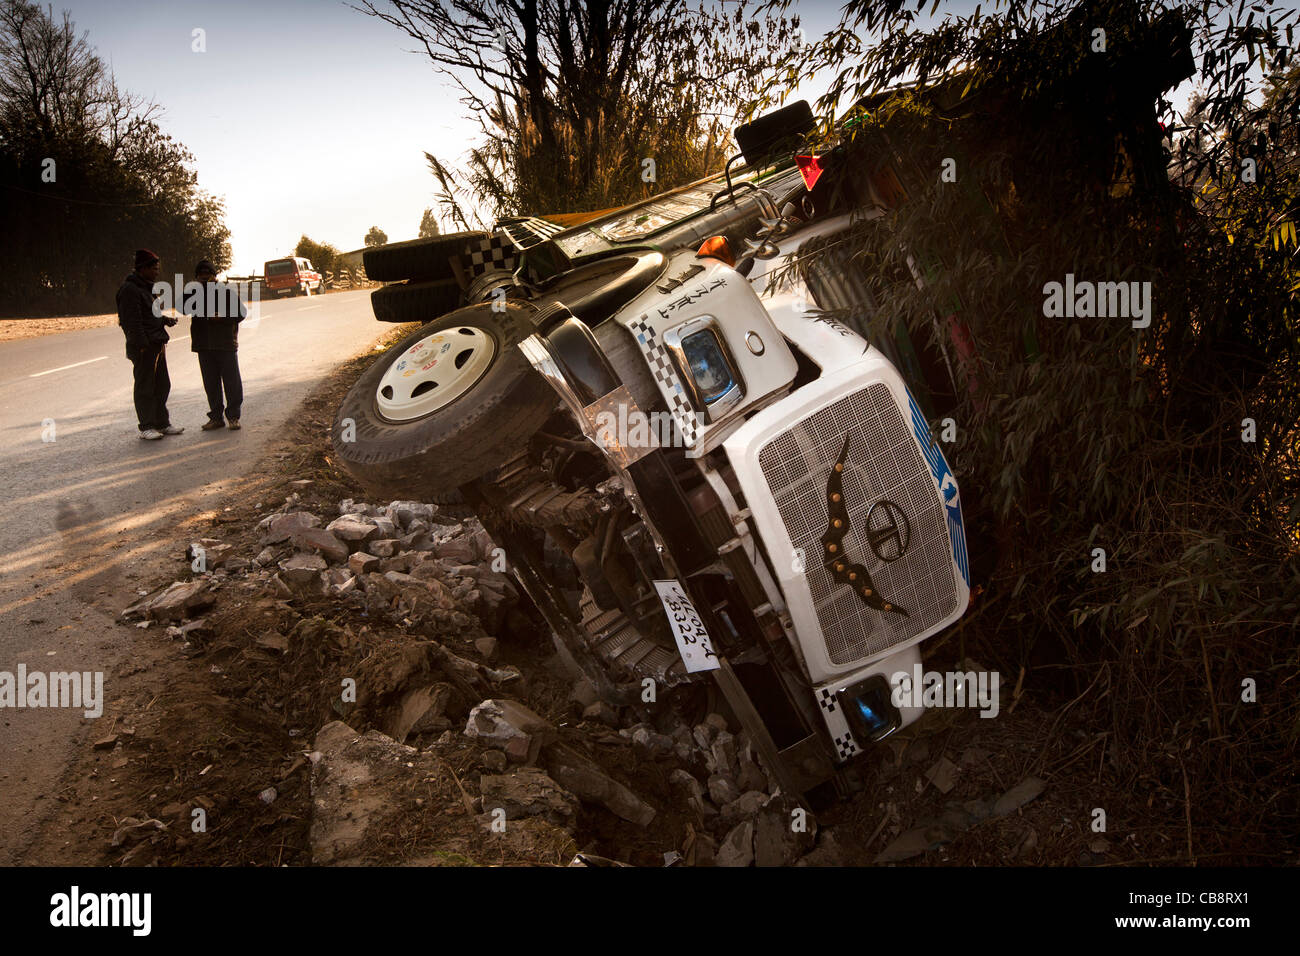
{"points": [[883, 464]]}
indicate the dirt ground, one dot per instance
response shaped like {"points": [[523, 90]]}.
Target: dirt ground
{"points": [[11, 329]]}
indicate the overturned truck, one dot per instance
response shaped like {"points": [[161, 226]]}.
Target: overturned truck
{"points": [[705, 482]]}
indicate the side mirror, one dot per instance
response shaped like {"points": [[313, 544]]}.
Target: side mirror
{"points": [[770, 133]]}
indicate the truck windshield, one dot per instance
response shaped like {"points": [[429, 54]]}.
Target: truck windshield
{"points": [[648, 217]]}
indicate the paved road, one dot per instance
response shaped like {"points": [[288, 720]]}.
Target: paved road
{"points": [[80, 512]]}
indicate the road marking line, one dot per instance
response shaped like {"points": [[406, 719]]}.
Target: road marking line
{"points": [[64, 368], [306, 307], [180, 338]]}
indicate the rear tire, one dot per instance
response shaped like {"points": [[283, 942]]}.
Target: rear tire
{"points": [[415, 301], [420, 259], [403, 451]]}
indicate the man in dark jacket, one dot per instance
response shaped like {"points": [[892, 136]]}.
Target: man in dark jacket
{"points": [[146, 346], [214, 335]]}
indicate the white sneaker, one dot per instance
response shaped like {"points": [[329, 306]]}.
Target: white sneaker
{"points": [[173, 430], [151, 434]]}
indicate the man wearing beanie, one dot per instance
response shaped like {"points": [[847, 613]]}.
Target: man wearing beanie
{"points": [[146, 346], [215, 314]]}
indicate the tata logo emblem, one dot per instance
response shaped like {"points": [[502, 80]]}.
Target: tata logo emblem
{"points": [[888, 531]]}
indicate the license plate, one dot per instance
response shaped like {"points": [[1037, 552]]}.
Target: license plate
{"points": [[692, 639]]}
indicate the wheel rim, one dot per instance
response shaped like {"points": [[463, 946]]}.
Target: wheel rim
{"points": [[434, 372]]}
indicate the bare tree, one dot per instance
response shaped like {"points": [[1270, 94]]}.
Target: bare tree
{"points": [[574, 97]]}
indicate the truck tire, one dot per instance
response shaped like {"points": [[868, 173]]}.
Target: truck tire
{"points": [[419, 259], [408, 442], [415, 301], [451, 504]]}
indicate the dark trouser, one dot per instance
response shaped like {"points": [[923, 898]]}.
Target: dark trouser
{"points": [[152, 386], [221, 368]]}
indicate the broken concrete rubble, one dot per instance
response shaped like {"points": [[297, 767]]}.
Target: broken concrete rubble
{"points": [[384, 548], [404, 513], [355, 529], [528, 792], [281, 527], [320, 541], [419, 583], [302, 568], [743, 806], [647, 740], [213, 552], [784, 832], [421, 712], [348, 789], [737, 847], [173, 603], [592, 785], [722, 789], [511, 725], [360, 563], [340, 581]]}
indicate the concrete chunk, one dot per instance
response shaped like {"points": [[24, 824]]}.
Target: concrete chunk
{"points": [[355, 529], [592, 785], [282, 527], [362, 563], [320, 541], [511, 725], [302, 568], [528, 792], [737, 846]]}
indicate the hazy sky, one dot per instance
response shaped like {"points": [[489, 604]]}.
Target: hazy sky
{"points": [[307, 116]]}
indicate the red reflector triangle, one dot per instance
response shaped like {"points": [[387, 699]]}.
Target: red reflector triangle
{"points": [[810, 168]]}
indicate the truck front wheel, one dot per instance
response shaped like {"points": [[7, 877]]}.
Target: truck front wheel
{"points": [[449, 403]]}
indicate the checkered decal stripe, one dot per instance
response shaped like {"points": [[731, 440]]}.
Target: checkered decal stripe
{"points": [[493, 252], [845, 746], [837, 724], [661, 366]]}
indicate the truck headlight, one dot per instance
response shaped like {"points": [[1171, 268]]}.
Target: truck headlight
{"points": [[869, 710], [706, 366]]}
